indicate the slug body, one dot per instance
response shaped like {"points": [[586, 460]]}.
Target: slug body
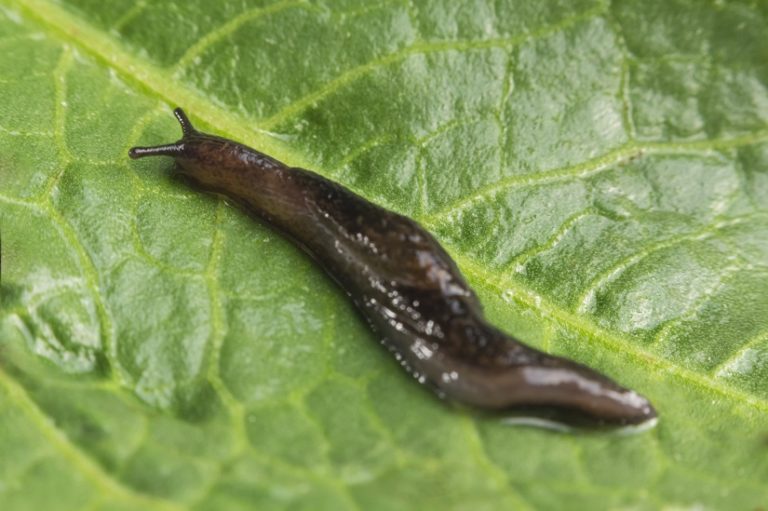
{"points": [[407, 287]]}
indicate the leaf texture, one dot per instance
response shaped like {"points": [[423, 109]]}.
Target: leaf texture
{"points": [[598, 170]]}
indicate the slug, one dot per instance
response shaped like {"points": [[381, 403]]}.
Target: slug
{"points": [[406, 286]]}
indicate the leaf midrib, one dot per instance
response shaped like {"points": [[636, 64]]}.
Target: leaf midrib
{"points": [[162, 84]]}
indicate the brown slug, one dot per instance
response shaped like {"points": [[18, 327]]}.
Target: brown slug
{"points": [[406, 286]]}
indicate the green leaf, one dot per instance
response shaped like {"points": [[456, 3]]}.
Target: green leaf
{"points": [[599, 171]]}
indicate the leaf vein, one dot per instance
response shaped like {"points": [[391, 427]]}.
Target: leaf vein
{"points": [[607, 161], [230, 27], [610, 274], [79, 459]]}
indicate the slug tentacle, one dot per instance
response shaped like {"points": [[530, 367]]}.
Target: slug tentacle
{"points": [[186, 125], [188, 131], [158, 150], [406, 286]]}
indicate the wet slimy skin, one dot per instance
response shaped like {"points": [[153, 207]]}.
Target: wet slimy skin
{"points": [[406, 286]]}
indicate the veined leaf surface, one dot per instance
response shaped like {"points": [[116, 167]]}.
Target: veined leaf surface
{"points": [[598, 170]]}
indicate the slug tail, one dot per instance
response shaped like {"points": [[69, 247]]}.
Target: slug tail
{"points": [[159, 150]]}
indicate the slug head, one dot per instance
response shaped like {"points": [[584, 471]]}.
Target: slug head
{"points": [[213, 163]]}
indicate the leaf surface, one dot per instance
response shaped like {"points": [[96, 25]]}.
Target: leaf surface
{"points": [[598, 170]]}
